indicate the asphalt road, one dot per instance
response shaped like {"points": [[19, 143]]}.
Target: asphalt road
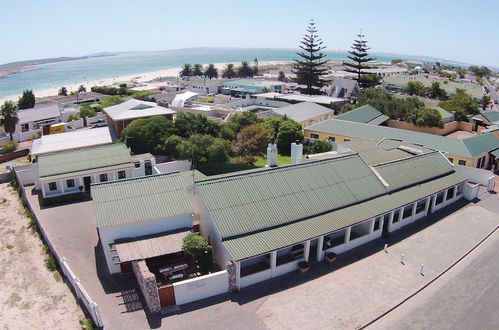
{"points": [[463, 298], [492, 92]]}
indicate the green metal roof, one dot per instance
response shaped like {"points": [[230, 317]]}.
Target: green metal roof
{"points": [[390, 144], [83, 161], [405, 172], [140, 199], [372, 153], [258, 243], [254, 201], [363, 114], [378, 120], [467, 147], [444, 113], [495, 153], [490, 115]]}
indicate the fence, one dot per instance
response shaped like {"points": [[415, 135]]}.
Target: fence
{"points": [[91, 307], [21, 136], [201, 287], [81, 293]]}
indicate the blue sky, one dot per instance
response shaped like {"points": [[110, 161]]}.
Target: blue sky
{"points": [[459, 30]]}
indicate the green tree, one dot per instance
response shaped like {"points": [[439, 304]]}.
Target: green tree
{"points": [[425, 117], [188, 124], [359, 59], [437, 92], [484, 101], [148, 134], [170, 145], [243, 119], [111, 100], [395, 108], [395, 61], [227, 131], [312, 66], [211, 72], [203, 148], [229, 71], [461, 72], [282, 76], [87, 111], [481, 72], [197, 246], [245, 70], [81, 89], [462, 104], [320, 146], [371, 80], [27, 100], [197, 70], [186, 70], [63, 91], [252, 141], [8, 117], [219, 150], [289, 131], [415, 87], [72, 117]]}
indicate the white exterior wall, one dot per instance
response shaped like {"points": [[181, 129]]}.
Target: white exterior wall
{"points": [[256, 278], [27, 176], [477, 175], [286, 268], [201, 287], [177, 165], [109, 234]]}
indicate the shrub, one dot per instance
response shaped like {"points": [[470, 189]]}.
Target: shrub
{"points": [[202, 251], [9, 146], [50, 263], [320, 146], [87, 324]]}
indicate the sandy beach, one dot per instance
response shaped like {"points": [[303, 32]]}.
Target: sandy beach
{"points": [[138, 77]]}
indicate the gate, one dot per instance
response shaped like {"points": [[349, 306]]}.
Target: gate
{"points": [[166, 295]]}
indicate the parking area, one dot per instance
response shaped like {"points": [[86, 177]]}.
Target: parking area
{"points": [[347, 293]]}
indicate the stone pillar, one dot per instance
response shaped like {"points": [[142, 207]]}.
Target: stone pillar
{"points": [[306, 250], [320, 245], [231, 272], [148, 285], [401, 214], [61, 182], [427, 205], [414, 207], [455, 192], [43, 188], [238, 275], [371, 226], [273, 262]]}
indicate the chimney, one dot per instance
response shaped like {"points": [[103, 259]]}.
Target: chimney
{"points": [[296, 152], [272, 153]]}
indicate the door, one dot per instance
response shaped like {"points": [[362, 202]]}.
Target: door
{"points": [[86, 182], [386, 224], [148, 167], [166, 295]]}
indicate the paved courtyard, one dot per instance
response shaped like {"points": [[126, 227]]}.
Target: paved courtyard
{"points": [[353, 290]]}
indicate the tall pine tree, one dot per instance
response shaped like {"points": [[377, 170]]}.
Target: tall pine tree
{"points": [[312, 66], [360, 58]]}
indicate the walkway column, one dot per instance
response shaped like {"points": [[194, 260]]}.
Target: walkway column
{"points": [[273, 262], [371, 227], [445, 196], [433, 203], [455, 192], [62, 185], [414, 207], [390, 221], [320, 245], [348, 230], [42, 184], [427, 205], [238, 275], [306, 250]]}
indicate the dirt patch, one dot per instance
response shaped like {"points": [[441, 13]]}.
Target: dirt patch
{"points": [[31, 297]]}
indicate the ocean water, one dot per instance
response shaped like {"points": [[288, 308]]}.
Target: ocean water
{"points": [[55, 75]]}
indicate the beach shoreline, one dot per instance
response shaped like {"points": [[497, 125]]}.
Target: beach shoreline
{"points": [[142, 77]]}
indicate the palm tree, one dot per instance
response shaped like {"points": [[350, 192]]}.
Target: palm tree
{"points": [[63, 91], [437, 92], [81, 89], [245, 70], [8, 117], [197, 70], [229, 71], [186, 70], [484, 101], [211, 71], [415, 88]]}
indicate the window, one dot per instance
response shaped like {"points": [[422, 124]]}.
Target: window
{"points": [[137, 164], [103, 177], [420, 206], [462, 162], [314, 136], [346, 140], [396, 216], [451, 159], [440, 198], [331, 139], [408, 211], [25, 127], [70, 183], [52, 186], [377, 222], [121, 174], [450, 193]]}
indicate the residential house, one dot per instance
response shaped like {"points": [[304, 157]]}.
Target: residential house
{"points": [[343, 88], [264, 223], [201, 85], [120, 115], [485, 119], [306, 113], [35, 118], [74, 171], [476, 151], [240, 87]]}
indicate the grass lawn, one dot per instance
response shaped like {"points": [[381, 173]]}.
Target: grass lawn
{"points": [[222, 168]]}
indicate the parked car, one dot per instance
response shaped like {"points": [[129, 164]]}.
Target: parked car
{"points": [[98, 123]]}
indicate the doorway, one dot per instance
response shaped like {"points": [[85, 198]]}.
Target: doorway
{"points": [[86, 183], [166, 295], [386, 224]]}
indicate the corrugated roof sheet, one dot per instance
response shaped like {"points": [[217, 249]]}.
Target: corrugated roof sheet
{"points": [[150, 246], [133, 109], [378, 120], [303, 111], [405, 172], [275, 238], [491, 115], [140, 199], [83, 161], [363, 114], [467, 147], [37, 114], [258, 200]]}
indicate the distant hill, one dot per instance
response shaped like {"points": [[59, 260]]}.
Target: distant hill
{"points": [[21, 64]]}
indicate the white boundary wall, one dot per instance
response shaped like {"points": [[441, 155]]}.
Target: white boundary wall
{"points": [[201, 287], [483, 177], [176, 165]]}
